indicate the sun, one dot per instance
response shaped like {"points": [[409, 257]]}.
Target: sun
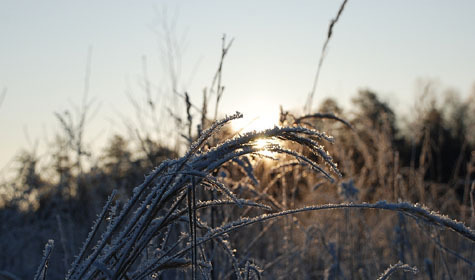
{"points": [[259, 122], [255, 123], [262, 145]]}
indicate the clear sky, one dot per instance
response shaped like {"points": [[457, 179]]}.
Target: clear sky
{"points": [[382, 45]]}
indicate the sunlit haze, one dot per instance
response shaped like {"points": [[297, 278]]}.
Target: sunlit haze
{"points": [[263, 144], [256, 121], [386, 46]]}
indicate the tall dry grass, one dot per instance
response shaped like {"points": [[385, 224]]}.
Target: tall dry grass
{"points": [[376, 199]]}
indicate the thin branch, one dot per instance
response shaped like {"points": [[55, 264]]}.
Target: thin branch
{"points": [[308, 105]]}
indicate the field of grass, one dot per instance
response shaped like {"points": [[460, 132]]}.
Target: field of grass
{"points": [[328, 193]]}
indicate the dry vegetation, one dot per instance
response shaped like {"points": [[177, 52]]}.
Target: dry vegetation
{"points": [[290, 202], [235, 206]]}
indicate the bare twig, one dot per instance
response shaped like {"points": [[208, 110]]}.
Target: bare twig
{"points": [[219, 74], [308, 105]]}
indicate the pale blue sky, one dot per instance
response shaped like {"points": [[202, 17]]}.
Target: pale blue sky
{"points": [[382, 45]]}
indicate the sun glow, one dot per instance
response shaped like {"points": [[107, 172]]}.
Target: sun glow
{"points": [[263, 144], [255, 123]]}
